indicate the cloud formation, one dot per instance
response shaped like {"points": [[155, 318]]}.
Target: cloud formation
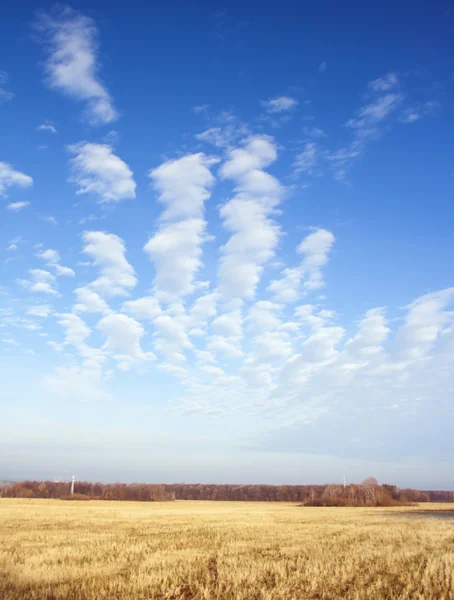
{"points": [[17, 206], [9, 177], [279, 104], [5, 94], [107, 250], [47, 127], [96, 170], [183, 186], [72, 62], [52, 259]]}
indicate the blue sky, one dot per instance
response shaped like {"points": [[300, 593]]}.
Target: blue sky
{"points": [[226, 242]]}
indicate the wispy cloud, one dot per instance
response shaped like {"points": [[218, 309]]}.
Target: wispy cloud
{"points": [[40, 310], [95, 169], [384, 84], [307, 160], [71, 43], [385, 106], [5, 94], [47, 127], [322, 67], [9, 177], [200, 109], [279, 104], [371, 115], [418, 111], [314, 132], [17, 206]]}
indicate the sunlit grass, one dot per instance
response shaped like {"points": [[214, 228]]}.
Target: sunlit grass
{"points": [[55, 550]]}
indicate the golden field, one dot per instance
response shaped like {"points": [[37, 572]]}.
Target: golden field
{"points": [[56, 550]]}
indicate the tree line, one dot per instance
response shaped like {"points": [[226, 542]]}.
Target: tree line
{"points": [[367, 493]]}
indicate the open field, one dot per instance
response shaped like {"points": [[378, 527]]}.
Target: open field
{"points": [[58, 550]]}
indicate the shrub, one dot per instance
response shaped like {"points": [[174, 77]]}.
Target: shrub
{"points": [[75, 497]]}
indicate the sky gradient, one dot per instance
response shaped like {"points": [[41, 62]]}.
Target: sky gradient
{"points": [[226, 242]]}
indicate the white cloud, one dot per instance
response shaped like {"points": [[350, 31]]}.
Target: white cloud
{"points": [[72, 62], [322, 67], [108, 250], [17, 206], [373, 331], [315, 249], [254, 236], [47, 127], [203, 308], [273, 346], [183, 186], [321, 345], [95, 169], [77, 331], [171, 337], [306, 315], [40, 281], [40, 310], [229, 324], [229, 348], [14, 244], [279, 104], [52, 259], [424, 323], [51, 219], [9, 177], [176, 252], [90, 302], [123, 335], [144, 309], [262, 316], [410, 116]]}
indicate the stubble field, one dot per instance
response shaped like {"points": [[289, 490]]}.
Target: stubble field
{"points": [[56, 550]]}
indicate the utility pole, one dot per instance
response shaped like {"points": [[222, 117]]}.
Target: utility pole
{"points": [[73, 481], [344, 483]]}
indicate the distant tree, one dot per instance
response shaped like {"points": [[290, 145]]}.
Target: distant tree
{"points": [[42, 490], [370, 481]]}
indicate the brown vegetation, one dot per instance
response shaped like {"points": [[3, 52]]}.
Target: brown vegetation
{"points": [[52, 550], [137, 492], [369, 493]]}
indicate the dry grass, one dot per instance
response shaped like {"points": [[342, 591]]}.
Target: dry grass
{"points": [[55, 550]]}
